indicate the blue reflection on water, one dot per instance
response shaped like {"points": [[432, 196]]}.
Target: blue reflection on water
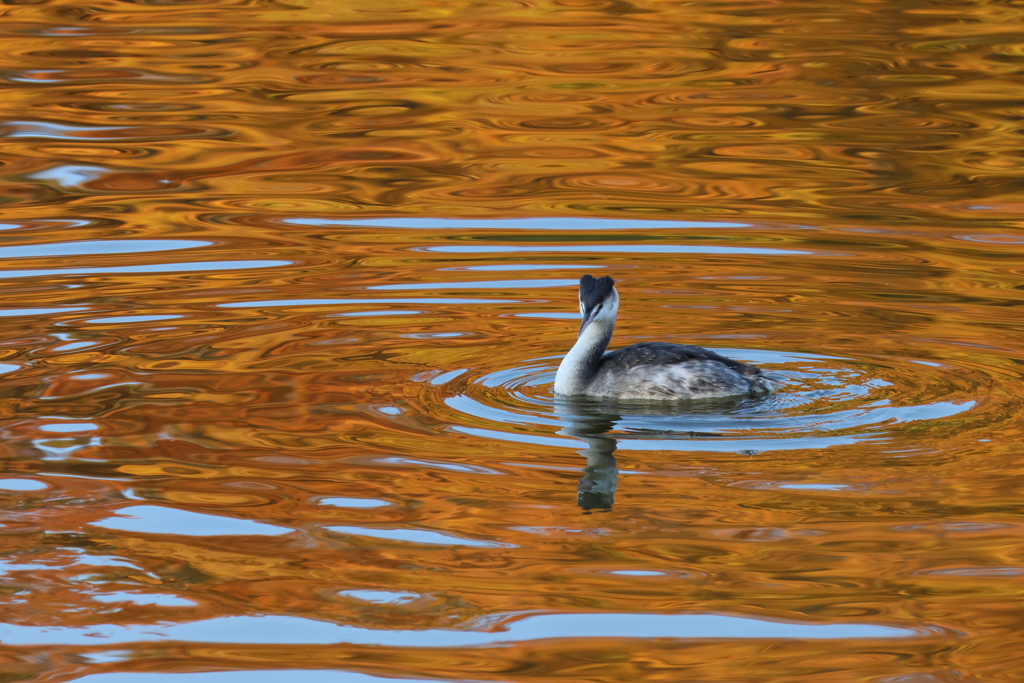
{"points": [[484, 284], [154, 599], [516, 223], [355, 502], [22, 485], [700, 445], [446, 377], [67, 427], [274, 676], [523, 266], [417, 536], [10, 312], [149, 268], [70, 175], [342, 302], [60, 131], [296, 630], [611, 249], [815, 487], [382, 597], [95, 247], [156, 519], [131, 319]]}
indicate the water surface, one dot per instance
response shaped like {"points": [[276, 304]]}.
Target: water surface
{"points": [[284, 286]]}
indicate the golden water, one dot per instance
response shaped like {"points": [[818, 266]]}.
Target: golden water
{"points": [[284, 285]]}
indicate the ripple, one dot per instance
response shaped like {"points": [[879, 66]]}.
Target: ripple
{"points": [[625, 182], [984, 572], [993, 239], [819, 402], [372, 185]]}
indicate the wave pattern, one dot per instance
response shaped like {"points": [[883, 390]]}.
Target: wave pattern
{"points": [[826, 109], [285, 285]]}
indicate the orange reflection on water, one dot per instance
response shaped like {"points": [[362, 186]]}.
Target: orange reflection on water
{"points": [[284, 286]]}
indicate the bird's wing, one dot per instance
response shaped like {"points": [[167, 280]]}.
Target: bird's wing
{"points": [[662, 353]]}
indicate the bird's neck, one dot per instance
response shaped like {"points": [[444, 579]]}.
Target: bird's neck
{"points": [[583, 360]]}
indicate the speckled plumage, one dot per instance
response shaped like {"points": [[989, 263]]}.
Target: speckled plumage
{"points": [[648, 370], [658, 370]]}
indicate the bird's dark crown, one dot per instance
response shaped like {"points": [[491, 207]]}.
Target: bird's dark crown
{"points": [[594, 290]]}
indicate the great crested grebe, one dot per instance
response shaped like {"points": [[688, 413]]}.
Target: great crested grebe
{"points": [[646, 371]]}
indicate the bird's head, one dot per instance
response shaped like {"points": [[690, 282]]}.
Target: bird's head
{"points": [[598, 300]]}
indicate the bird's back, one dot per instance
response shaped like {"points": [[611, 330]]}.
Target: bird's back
{"points": [[658, 370]]}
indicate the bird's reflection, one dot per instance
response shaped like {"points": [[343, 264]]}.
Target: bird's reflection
{"points": [[592, 421], [589, 422]]}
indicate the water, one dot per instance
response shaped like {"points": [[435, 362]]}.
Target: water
{"points": [[284, 285]]}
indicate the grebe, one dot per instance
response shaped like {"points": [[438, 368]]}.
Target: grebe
{"points": [[648, 370]]}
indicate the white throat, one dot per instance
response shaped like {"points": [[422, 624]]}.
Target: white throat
{"points": [[582, 363]]}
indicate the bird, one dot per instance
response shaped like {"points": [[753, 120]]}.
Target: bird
{"points": [[648, 371]]}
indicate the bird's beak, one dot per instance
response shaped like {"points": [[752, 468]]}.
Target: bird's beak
{"points": [[588, 317]]}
